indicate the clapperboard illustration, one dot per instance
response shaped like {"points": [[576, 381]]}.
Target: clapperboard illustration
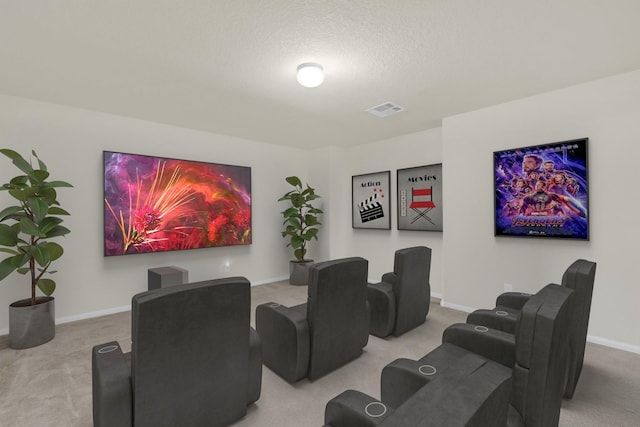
{"points": [[370, 209], [370, 206]]}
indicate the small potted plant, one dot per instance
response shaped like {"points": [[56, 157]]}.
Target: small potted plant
{"points": [[301, 225], [25, 230]]}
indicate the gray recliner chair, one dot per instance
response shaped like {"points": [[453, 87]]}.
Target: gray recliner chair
{"points": [[474, 397], [330, 330], [537, 354], [194, 359], [579, 277], [400, 302]]}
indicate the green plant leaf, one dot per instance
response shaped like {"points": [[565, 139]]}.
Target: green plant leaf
{"points": [[24, 166], [10, 153], [28, 227], [20, 181], [18, 194], [293, 180], [299, 254], [55, 250], [49, 223], [40, 255], [49, 194], [8, 212], [58, 184], [47, 286], [297, 200], [8, 235], [39, 208], [9, 265], [41, 164], [296, 242], [311, 220], [57, 231], [40, 175], [56, 210], [9, 251]]}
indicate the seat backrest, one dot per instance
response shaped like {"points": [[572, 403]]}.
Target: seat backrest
{"points": [[412, 267], [580, 277], [541, 356], [337, 313], [190, 353]]}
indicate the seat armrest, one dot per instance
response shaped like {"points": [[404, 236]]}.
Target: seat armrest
{"points": [[401, 378], [284, 332], [391, 278], [353, 408], [111, 383], [503, 319], [382, 309], [513, 300], [255, 366], [490, 343]]}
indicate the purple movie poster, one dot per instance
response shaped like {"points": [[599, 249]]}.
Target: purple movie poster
{"points": [[542, 191]]}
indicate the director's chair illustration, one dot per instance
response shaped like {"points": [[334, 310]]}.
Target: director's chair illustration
{"points": [[422, 203]]}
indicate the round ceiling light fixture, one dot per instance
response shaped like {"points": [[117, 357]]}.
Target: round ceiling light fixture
{"points": [[310, 74]]}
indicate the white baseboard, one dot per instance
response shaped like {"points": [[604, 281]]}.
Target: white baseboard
{"points": [[458, 307], [265, 281], [613, 344], [590, 338], [83, 316]]}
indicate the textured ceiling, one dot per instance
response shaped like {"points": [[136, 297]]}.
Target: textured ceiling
{"points": [[229, 66]]}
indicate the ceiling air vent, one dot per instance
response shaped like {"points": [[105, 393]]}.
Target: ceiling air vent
{"points": [[386, 109]]}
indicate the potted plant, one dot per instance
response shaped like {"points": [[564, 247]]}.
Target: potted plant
{"points": [[25, 230], [301, 225]]}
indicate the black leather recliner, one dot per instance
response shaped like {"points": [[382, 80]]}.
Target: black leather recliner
{"points": [[194, 359], [579, 277], [400, 302], [537, 353], [476, 396], [331, 329]]}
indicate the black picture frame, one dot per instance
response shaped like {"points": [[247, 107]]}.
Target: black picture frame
{"points": [[542, 191], [371, 200], [419, 198]]}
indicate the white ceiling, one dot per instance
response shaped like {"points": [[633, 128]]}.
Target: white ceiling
{"points": [[228, 67]]}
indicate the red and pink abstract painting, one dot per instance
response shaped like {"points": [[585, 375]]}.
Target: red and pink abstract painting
{"points": [[156, 204]]}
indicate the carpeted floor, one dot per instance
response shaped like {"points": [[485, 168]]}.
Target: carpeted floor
{"points": [[50, 385]]}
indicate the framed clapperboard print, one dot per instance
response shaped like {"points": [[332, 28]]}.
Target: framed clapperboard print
{"points": [[420, 198], [370, 200]]}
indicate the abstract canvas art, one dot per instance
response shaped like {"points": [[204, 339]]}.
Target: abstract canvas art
{"points": [[156, 204]]}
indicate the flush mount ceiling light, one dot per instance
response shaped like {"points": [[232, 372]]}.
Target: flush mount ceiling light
{"points": [[310, 74]]}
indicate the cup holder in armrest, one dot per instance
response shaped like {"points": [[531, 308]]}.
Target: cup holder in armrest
{"points": [[375, 409]]}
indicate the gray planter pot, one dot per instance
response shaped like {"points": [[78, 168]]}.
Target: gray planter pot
{"points": [[299, 272], [31, 325]]}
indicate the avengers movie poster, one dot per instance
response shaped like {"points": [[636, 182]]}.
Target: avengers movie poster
{"points": [[542, 191]]}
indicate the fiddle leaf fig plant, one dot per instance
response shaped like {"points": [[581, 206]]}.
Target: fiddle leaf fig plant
{"points": [[25, 229], [301, 217]]}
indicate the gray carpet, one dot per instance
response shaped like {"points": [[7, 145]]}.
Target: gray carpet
{"points": [[50, 385]]}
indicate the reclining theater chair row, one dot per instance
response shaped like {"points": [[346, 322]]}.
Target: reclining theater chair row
{"points": [[447, 386], [579, 277], [312, 339]]}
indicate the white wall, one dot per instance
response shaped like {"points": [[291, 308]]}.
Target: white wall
{"points": [[379, 246], [477, 264], [70, 141], [469, 266]]}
